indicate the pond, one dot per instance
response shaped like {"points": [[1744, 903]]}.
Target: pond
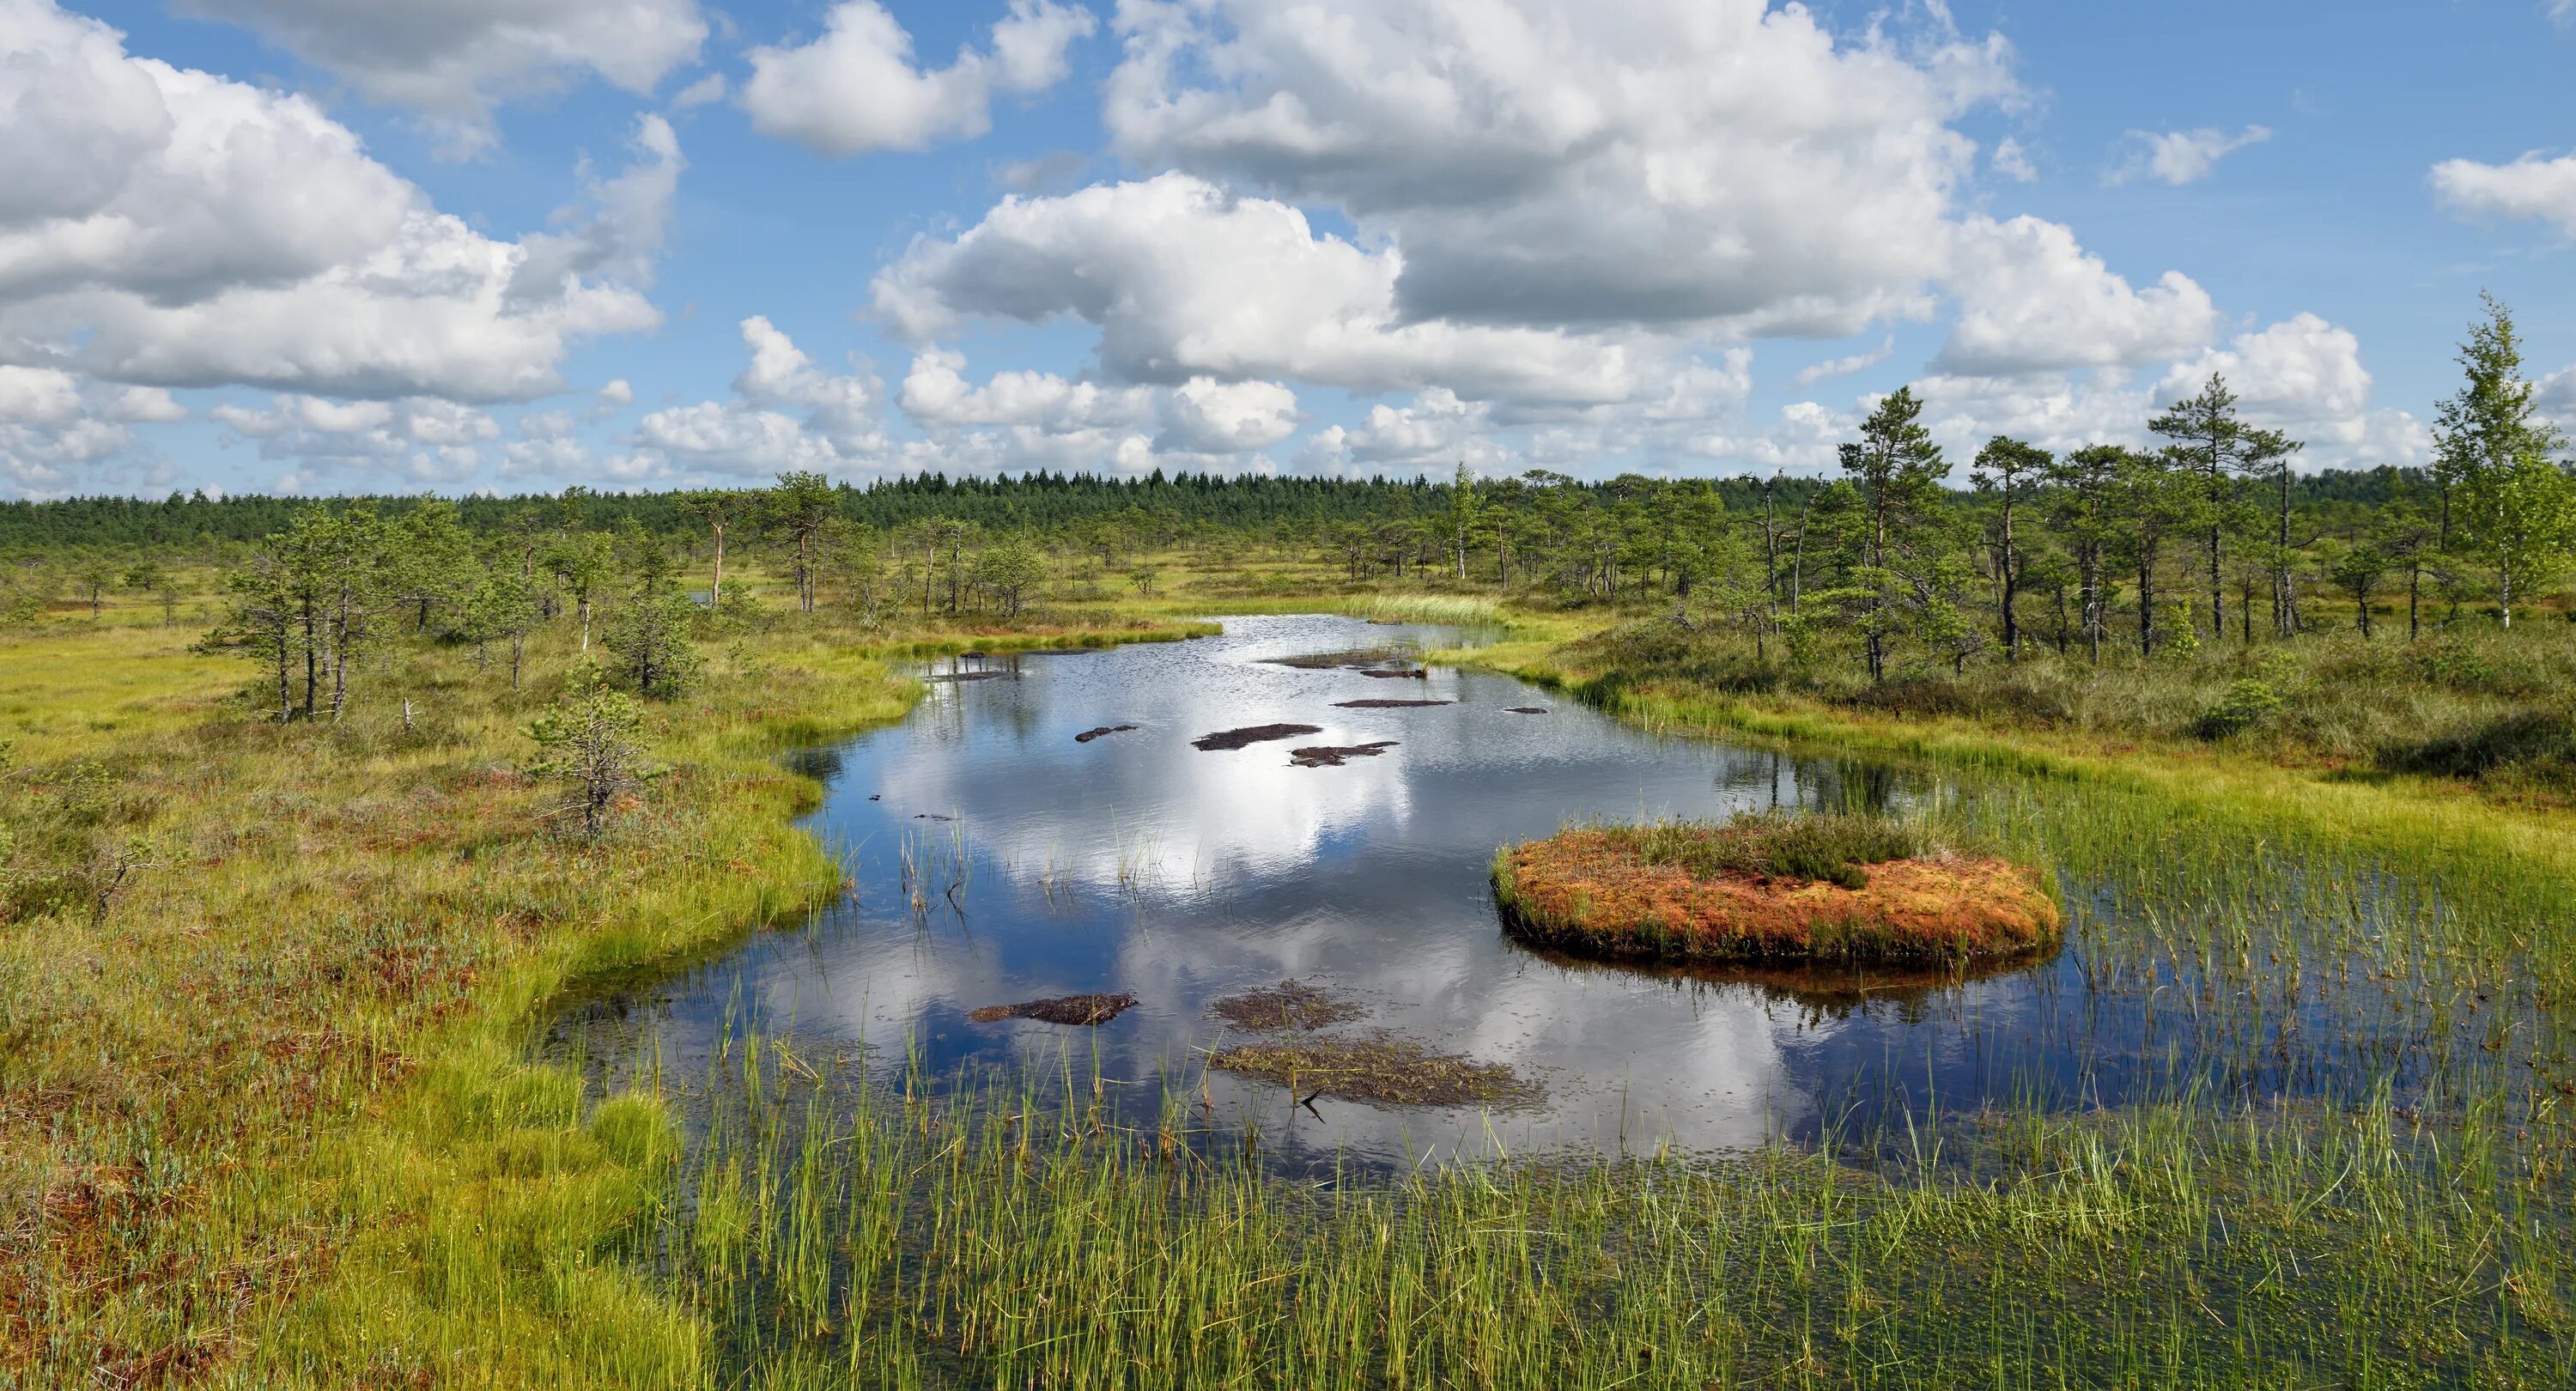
{"points": [[996, 857]]}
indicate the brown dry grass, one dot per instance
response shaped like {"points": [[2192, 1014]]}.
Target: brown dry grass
{"points": [[1594, 891]]}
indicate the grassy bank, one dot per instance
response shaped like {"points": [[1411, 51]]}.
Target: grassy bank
{"points": [[2270, 782], [266, 1116]]}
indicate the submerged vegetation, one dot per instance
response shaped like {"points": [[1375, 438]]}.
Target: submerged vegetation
{"points": [[1379, 1070], [1835, 888]]}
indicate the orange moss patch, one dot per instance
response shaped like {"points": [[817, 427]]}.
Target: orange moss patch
{"points": [[1582, 891]]}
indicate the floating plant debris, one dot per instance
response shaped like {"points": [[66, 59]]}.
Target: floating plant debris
{"points": [[1088, 735], [1527, 709], [1084, 1010], [1387, 704]]}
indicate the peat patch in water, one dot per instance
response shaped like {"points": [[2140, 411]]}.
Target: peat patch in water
{"points": [[1250, 735], [1288, 1005], [1083, 1010], [1357, 659], [1388, 704], [1328, 756], [1380, 1071], [1526, 709], [1088, 735]]}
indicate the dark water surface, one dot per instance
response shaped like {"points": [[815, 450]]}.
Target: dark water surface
{"points": [[995, 859]]}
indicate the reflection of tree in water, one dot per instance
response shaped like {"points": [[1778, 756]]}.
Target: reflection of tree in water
{"points": [[1781, 782], [1904, 995], [822, 765]]}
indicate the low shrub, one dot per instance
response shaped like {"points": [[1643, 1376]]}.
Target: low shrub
{"points": [[2249, 702], [2534, 748]]}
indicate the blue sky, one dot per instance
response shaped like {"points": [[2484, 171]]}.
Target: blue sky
{"points": [[319, 246]]}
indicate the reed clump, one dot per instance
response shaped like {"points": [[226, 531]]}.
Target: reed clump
{"points": [[1453, 610], [1827, 887]]}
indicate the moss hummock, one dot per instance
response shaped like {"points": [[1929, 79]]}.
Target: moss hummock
{"points": [[1831, 889]]}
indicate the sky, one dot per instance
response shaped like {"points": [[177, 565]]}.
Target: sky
{"points": [[398, 246]]}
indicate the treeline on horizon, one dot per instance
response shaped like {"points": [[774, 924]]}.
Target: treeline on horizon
{"points": [[1036, 501]]}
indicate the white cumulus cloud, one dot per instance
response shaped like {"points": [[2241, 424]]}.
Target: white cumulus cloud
{"points": [[1552, 163], [786, 413], [456, 58], [2532, 188], [857, 87], [173, 228], [1184, 280], [1206, 416], [2031, 299]]}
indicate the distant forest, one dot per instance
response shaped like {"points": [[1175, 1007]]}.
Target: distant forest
{"points": [[1036, 501]]}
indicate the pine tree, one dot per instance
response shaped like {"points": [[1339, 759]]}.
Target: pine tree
{"points": [[2209, 444], [2512, 502], [1897, 470]]}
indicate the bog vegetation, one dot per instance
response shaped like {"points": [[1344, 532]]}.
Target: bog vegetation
{"points": [[307, 806]]}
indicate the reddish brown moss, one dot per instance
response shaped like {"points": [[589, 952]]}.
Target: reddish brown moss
{"points": [[1595, 892]]}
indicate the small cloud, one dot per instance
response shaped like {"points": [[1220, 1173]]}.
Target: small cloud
{"points": [[617, 393], [2534, 188], [706, 91], [1845, 366], [2180, 157], [2013, 162]]}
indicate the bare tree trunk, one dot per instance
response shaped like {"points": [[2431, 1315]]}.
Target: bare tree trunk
{"points": [[715, 592], [2012, 587]]}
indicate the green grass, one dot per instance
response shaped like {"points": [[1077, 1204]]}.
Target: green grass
{"points": [[1834, 847], [849, 1234], [268, 1119]]}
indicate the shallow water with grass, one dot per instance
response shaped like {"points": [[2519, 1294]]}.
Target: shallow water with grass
{"points": [[996, 858], [2290, 1106]]}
